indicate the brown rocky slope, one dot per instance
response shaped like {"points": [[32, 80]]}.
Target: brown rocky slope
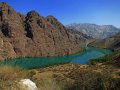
{"points": [[112, 43], [32, 35]]}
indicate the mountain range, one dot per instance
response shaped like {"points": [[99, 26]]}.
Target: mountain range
{"points": [[33, 35], [93, 30]]}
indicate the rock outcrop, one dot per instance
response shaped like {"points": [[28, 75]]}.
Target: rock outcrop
{"points": [[32, 35], [27, 84]]}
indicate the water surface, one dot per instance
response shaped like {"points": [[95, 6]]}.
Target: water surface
{"points": [[83, 58]]}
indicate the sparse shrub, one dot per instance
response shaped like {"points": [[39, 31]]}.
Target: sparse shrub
{"points": [[90, 80], [101, 59], [48, 84]]}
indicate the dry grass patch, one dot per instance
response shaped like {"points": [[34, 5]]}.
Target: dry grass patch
{"points": [[63, 77], [9, 76]]}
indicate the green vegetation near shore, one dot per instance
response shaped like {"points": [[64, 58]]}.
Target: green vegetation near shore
{"points": [[106, 58], [100, 60]]}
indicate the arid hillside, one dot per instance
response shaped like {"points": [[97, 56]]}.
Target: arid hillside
{"points": [[33, 35]]}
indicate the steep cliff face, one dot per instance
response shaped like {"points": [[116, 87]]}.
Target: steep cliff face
{"points": [[80, 38], [32, 35]]}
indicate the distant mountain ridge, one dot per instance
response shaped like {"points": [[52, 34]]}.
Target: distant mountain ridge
{"points": [[93, 30], [79, 37]]}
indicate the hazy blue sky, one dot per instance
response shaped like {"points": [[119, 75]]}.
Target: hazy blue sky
{"points": [[73, 11]]}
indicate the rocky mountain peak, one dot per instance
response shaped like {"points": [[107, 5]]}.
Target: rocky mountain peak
{"points": [[7, 13], [51, 18], [5, 8], [34, 18], [55, 22], [32, 35], [32, 14], [4, 4]]}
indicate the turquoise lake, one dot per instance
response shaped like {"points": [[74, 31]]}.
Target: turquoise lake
{"points": [[82, 58]]}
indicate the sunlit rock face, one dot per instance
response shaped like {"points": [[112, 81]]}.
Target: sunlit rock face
{"points": [[33, 35]]}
